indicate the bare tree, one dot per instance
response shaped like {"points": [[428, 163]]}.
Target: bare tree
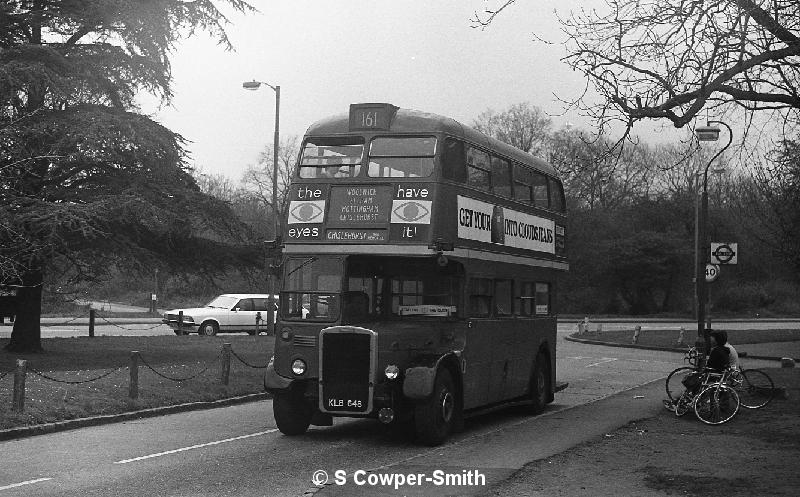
{"points": [[258, 178], [595, 178], [669, 59], [217, 185], [522, 125]]}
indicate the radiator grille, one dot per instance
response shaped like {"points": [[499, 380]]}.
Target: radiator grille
{"points": [[345, 372]]}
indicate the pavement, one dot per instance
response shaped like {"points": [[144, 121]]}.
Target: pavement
{"points": [[769, 351]]}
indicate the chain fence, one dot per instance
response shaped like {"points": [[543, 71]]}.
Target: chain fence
{"points": [[72, 382], [239, 358], [137, 361], [129, 329], [166, 377]]}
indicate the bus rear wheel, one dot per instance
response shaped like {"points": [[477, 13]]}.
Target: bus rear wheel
{"points": [[540, 384], [292, 413], [434, 418]]}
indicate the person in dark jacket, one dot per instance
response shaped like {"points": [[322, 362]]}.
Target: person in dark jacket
{"points": [[719, 355], [717, 361]]}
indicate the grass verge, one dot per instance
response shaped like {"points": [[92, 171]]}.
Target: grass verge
{"points": [[82, 377], [668, 338]]}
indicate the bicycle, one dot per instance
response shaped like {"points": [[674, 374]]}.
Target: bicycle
{"points": [[754, 387], [674, 382], [715, 402]]}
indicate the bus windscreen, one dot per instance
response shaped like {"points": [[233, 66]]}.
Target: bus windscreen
{"points": [[332, 157], [401, 157]]}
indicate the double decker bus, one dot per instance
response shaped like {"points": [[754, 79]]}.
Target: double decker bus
{"points": [[419, 274]]}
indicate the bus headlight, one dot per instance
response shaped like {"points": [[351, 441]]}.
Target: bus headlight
{"points": [[391, 371], [298, 367]]}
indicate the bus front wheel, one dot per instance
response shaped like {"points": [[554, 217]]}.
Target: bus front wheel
{"points": [[292, 413], [434, 417]]}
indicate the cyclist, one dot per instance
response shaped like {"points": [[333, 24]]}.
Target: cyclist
{"points": [[718, 360], [719, 355], [733, 359]]}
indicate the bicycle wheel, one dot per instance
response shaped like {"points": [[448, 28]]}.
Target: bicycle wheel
{"points": [[674, 386], [755, 388], [716, 404], [683, 404]]}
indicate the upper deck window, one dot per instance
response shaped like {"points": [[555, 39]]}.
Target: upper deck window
{"points": [[540, 195], [478, 169], [523, 184], [401, 157], [557, 201], [338, 157], [501, 177]]}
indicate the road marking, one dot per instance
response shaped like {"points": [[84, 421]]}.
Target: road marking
{"points": [[198, 446], [29, 482], [605, 360]]}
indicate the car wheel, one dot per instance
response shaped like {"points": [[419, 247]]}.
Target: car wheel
{"points": [[208, 328]]}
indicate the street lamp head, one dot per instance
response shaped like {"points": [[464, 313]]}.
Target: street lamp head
{"points": [[707, 133], [251, 85]]}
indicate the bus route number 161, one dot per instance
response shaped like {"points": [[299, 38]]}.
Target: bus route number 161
{"points": [[369, 119]]}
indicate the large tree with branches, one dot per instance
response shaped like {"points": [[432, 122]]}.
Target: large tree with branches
{"points": [[670, 59], [87, 183]]}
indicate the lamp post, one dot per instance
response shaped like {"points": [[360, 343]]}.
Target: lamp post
{"points": [[255, 85], [702, 250]]}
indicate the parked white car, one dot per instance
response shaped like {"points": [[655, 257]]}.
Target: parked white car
{"points": [[230, 312]]}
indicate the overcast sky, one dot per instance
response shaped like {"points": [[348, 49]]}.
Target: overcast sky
{"points": [[325, 55]]}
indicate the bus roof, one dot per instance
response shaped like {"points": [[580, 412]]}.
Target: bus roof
{"points": [[414, 121]]}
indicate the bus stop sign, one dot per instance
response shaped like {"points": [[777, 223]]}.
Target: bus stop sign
{"points": [[724, 253]]}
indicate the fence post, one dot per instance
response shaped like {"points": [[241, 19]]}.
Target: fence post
{"points": [[226, 363], [91, 322], [18, 403], [133, 388]]}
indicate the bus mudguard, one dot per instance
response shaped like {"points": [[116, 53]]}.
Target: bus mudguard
{"points": [[419, 379], [273, 381]]}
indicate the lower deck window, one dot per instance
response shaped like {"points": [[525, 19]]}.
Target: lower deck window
{"points": [[480, 297], [504, 298], [542, 299]]}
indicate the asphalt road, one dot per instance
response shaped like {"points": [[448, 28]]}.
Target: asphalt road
{"points": [[238, 451]]}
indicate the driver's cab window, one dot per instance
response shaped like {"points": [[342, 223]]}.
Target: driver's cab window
{"points": [[312, 288]]}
